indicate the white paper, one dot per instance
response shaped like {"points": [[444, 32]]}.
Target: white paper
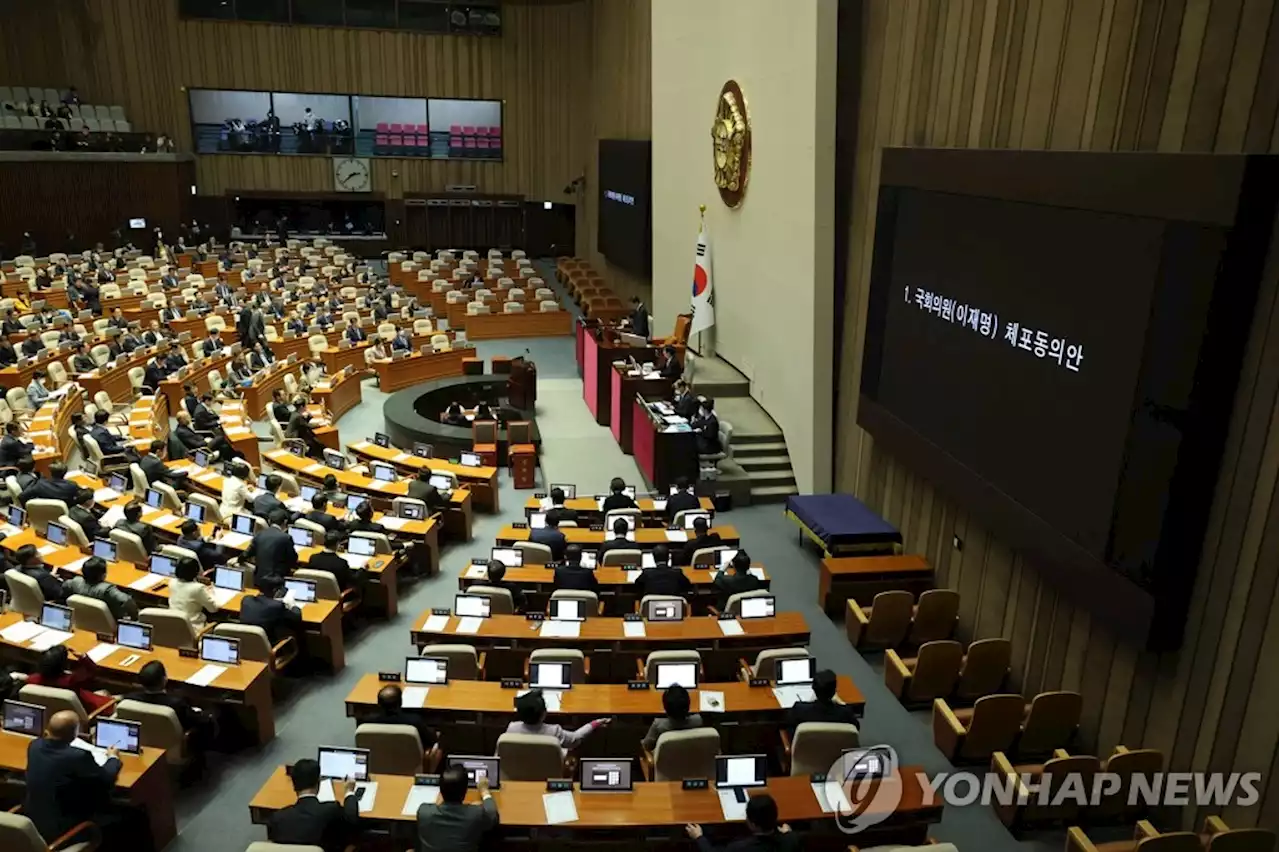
{"points": [[355, 560], [560, 629], [230, 538], [206, 477], [106, 495], [730, 627], [436, 624], [414, 697], [48, 638], [163, 519], [710, 702], [831, 797], [222, 597], [470, 624], [46, 549], [419, 796], [369, 793], [560, 807], [111, 517], [206, 675], [732, 808], [297, 504], [788, 695], [21, 632], [290, 600], [74, 567], [361, 445], [393, 523], [102, 650], [677, 535], [545, 503], [632, 576], [315, 467], [146, 582], [633, 629], [476, 572], [401, 457], [660, 504], [99, 754]]}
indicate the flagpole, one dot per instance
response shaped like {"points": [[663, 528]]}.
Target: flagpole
{"points": [[706, 344]]}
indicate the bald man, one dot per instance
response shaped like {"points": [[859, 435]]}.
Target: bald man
{"points": [[65, 785]]}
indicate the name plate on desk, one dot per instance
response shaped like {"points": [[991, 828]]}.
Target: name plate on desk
{"points": [[189, 653], [389, 677], [559, 785], [596, 527], [726, 616], [633, 616], [107, 638], [441, 610], [426, 780], [534, 616], [638, 684], [519, 526], [540, 495], [758, 682], [818, 778], [512, 683], [694, 784]]}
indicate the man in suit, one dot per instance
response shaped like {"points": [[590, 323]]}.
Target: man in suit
{"points": [[356, 334], [198, 725], [267, 503], [671, 367], [174, 360], [300, 427], [401, 342], [619, 540], [223, 293], [82, 361], [296, 324], [169, 281], [132, 522], [454, 825], [117, 320], [422, 489], [495, 573], [170, 313], [156, 471], [129, 341], [551, 536], [557, 510], [318, 515], [213, 343], [154, 373], [736, 578], [32, 345], [391, 712], [311, 822], [330, 560], [27, 560], [683, 400], [65, 785], [571, 574], [11, 325], [82, 513], [109, 443], [683, 500], [617, 498], [152, 335], [92, 583], [662, 578], [12, 447], [762, 822], [56, 487], [208, 553], [272, 551], [639, 319], [279, 408], [187, 437], [363, 521], [203, 418], [269, 611], [701, 539], [706, 427], [27, 474], [824, 707]]}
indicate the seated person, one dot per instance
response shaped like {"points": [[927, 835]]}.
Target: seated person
{"points": [[203, 418], [12, 447], [56, 487], [706, 428], [619, 540], [190, 439], [571, 574], [531, 716], [92, 583], [736, 578], [27, 474], [363, 521], [154, 467], [495, 572], [132, 522], [330, 560], [310, 822], [558, 510], [109, 443], [617, 499], [421, 488], [551, 536], [391, 712], [56, 668], [675, 701], [701, 539], [65, 786], [26, 560], [269, 611], [189, 593], [662, 578], [320, 515], [267, 502], [330, 487], [683, 500], [454, 415], [762, 821], [378, 351], [200, 726], [824, 707], [670, 367], [484, 412], [189, 537], [37, 393], [82, 361], [279, 408]]}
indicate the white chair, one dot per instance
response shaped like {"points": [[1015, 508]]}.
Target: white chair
{"points": [[816, 746], [535, 553], [41, 512], [129, 547], [24, 593], [465, 663], [683, 754], [169, 628], [91, 614]]}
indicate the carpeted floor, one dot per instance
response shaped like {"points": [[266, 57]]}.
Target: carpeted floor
{"points": [[213, 817]]}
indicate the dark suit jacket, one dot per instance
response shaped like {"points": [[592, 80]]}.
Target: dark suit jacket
{"points": [[266, 503], [731, 583], [561, 514], [707, 430], [429, 494], [152, 376], [324, 519], [153, 467], [12, 449], [459, 827], [50, 586], [83, 363], [281, 413], [816, 711], [65, 786], [553, 539], [51, 489], [141, 530], [777, 842], [270, 614], [338, 567], [640, 321], [107, 442], [618, 501], [311, 822], [356, 334], [662, 581], [671, 369], [188, 437], [273, 552], [204, 419], [208, 553], [680, 502], [616, 544], [209, 346], [87, 521], [576, 577], [711, 539]]}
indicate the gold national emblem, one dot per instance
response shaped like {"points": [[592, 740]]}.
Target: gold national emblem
{"points": [[731, 144]]}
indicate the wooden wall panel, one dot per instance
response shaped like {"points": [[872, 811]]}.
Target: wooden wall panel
{"points": [[1102, 75], [139, 54], [619, 106]]}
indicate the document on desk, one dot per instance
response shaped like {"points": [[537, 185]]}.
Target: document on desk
{"points": [[788, 695], [659, 505], [206, 675], [394, 523], [146, 582], [402, 457], [368, 793], [46, 549], [99, 754], [48, 638], [361, 445], [163, 519], [222, 597], [560, 807], [633, 629], [756, 571], [560, 629], [677, 535], [355, 560], [111, 517], [436, 623], [733, 809], [206, 477], [469, 625], [74, 566], [414, 697], [102, 650], [731, 627], [419, 796], [476, 572], [297, 504], [631, 575], [230, 538], [105, 495], [831, 797], [314, 467], [21, 632], [710, 702]]}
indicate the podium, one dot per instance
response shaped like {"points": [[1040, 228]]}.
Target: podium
{"points": [[522, 385], [626, 386], [600, 348], [663, 454]]}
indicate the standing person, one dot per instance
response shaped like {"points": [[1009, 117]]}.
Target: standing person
{"points": [[453, 825], [272, 551]]}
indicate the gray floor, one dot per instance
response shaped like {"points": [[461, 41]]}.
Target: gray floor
{"points": [[214, 816]]}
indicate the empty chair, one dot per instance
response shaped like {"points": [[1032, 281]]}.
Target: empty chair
{"points": [[884, 624], [1052, 720], [129, 547], [1127, 764], [991, 725], [931, 674], [734, 605], [1053, 800], [984, 670], [1147, 838], [935, 616], [169, 628], [766, 664], [91, 614], [393, 749], [500, 602], [41, 512], [161, 728], [465, 663], [682, 754], [816, 746], [19, 834], [513, 308], [529, 757], [589, 600]]}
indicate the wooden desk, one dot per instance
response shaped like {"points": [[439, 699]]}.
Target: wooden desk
{"points": [[626, 386], [114, 380], [50, 430], [662, 456], [338, 395], [600, 348], [197, 375], [144, 783], [650, 805], [863, 577], [589, 507], [753, 714], [246, 687], [419, 368], [509, 639], [528, 324], [481, 481], [646, 537], [337, 358]]}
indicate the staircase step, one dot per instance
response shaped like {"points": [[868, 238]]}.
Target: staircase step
{"points": [[770, 477], [764, 448], [756, 438], [754, 463], [772, 493]]}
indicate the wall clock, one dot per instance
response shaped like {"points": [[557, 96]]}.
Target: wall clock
{"points": [[731, 144], [352, 174]]}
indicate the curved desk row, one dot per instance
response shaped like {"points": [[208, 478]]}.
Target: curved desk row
{"points": [[481, 481]]}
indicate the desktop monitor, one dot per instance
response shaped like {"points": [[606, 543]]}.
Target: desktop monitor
{"points": [[865, 762], [242, 524], [724, 556], [335, 459], [423, 451], [471, 605], [23, 718], [302, 537], [200, 458], [797, 670], [478, 767], [55, 533], [220, 649], [306, 492], [412, 511], [689, 517], [759, 607], [118, 482], [509, 556], [17, 516], [225, 577], [262, 481], [104, 549], [195, 512], [630, 491], [537, 520], [120, 734], [588, 559], [741, 770], [550, 675], [382, 440], [339, 500], [442, 483], [606, 775], [134, 634], [304, 591], [56, 616], [630, 519], [470, 460], [434, 670], [565, 609], [337, 762], [664, 610], [358, 545], [570, 491], [154, 498], [672, 674], [383, 473], [163, 565]]}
